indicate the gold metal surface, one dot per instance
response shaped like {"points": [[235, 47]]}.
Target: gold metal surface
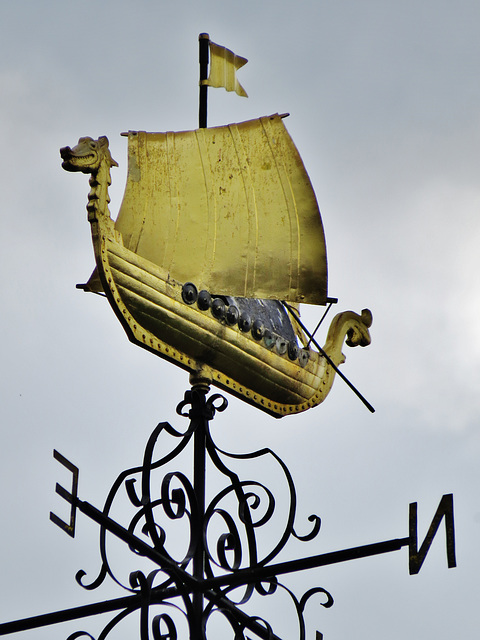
{"points": [[137, 268], [223, 69], [229, 208]]}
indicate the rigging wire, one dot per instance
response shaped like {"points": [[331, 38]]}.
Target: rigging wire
{"points": [[318, 325], [296, 316]]}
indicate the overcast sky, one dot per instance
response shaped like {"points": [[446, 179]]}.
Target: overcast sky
{"points": [[384, 98]]}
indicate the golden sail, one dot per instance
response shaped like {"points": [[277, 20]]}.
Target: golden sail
{"points": [[216, 227], [231, 208]]}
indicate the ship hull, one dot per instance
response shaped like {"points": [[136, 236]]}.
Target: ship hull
{"points": [[155, 316], [246, 345]]}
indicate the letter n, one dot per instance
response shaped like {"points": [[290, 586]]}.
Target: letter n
{"points": [[417, 556]]}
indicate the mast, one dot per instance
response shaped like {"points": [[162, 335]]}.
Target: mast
{"points": [[203, 42]]}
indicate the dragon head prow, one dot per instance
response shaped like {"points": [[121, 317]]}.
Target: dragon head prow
{"points": [[358, 334], [87, 155], [351, 327]]}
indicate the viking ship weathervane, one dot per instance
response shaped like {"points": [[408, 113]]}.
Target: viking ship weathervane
{"points": [[217, 226], [218, 239]]}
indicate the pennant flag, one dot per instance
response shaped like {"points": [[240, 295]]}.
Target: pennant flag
{"points": [[223, 69]]}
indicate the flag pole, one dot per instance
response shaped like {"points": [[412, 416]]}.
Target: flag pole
{"points": [[203, 42]]}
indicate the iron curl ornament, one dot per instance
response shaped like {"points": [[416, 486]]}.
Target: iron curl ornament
{"points": [[207, 568]]}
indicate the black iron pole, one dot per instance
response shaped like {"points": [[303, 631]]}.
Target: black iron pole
{"points": [[203, 46], [198, 414]]}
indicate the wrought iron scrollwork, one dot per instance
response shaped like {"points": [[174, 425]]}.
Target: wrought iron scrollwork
{"points": [[204, 550], [210, 565]]}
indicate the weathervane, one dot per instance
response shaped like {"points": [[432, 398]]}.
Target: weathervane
{"points": [[218, 239], [216, 227]]}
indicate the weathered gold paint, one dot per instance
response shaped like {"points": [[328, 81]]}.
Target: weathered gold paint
{"points": [[229, 208], [141, 269], [223, 69]]}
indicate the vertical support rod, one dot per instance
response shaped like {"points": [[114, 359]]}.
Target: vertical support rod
{"points": [[199, 415], [203, 46]]}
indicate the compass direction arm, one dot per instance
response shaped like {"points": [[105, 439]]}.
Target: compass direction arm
{"points": [[66, 615], [258, 574], [131, 603], [116, 529], [168, 565], [416, 556]]}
